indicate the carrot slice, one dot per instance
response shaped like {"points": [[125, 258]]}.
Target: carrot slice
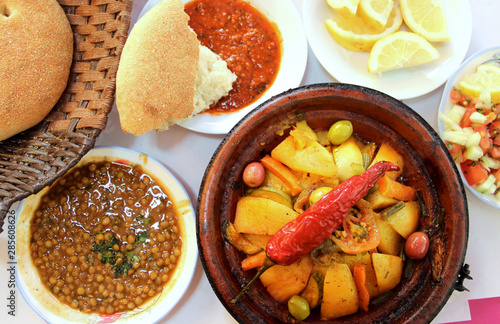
{"points": [[396, 190], [359, 275], [253, 261], [283, 173]]}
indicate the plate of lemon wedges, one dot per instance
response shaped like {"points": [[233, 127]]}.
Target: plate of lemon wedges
{"points": [[405, 48]]}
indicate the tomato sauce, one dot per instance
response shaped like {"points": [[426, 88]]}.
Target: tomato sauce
{"points": [[245, 39]]}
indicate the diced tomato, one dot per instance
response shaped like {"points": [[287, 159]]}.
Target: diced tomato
{"points": [[494, 152], [485, 143], [481, 129], [466, 122], [497, 176], [456, 96], [455, 151], [494, 128], [491, 117], [473, 172]]}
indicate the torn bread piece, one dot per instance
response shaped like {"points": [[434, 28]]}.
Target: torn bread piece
{"points": [[165, 75]]}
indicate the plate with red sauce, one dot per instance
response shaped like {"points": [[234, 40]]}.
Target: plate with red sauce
{"points": [[348, 66], [263, 43]]}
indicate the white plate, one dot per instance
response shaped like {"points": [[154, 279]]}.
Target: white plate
{"points": [[352, 67], [469, 66], [47, 307], [293, 63]]}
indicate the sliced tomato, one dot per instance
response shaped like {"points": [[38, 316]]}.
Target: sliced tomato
{"points": [[473, 172], [466, 122], [359, 234]]}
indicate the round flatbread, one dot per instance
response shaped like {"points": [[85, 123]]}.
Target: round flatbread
{"points": [[36, 51]]}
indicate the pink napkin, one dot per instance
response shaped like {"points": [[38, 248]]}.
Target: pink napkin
{"points": [[484, 311]]}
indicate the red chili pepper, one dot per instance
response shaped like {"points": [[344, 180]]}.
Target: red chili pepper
{"points": [[311, 228]]}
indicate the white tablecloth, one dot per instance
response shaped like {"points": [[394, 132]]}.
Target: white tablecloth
{"points": [[187, 153]]}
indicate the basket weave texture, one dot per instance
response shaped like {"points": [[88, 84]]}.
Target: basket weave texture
{"points": [[35, 158]]}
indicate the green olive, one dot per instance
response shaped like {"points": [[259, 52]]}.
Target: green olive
{"points": [[318, 194], [340, 132], [298, 307]]}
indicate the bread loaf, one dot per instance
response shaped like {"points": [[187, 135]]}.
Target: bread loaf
{"points": [[165, 75], [36, 51]]}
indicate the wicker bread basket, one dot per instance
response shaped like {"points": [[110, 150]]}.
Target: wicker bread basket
{"points": [[35, 158]]}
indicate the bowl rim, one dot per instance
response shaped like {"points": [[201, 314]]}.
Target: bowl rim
{"points": [[159, 306], [207, 262]]}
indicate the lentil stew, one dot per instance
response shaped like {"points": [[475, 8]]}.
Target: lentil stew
{"points": [[106, 238]]}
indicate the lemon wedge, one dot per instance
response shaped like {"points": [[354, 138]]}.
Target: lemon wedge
{"points": [[486, 78], [356, 35], [426, 18], [375, 12], [344, 7], [400, 49]]}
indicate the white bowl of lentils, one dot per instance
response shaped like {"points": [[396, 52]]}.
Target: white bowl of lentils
{"points": [[113, 239]]}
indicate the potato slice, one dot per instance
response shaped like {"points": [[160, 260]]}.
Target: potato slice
{"points": [[348, 159], [282, 282], [313, 292], [388, 269], [406, 220], [387, 153], [390, 240], [301, 152], [393, 189], [371, 278], [272, 181], [379, 201], [258, 240], [340, 296], [256, 215]]}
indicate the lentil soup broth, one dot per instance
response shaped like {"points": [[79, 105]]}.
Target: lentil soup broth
{"points": [[104, 239]]}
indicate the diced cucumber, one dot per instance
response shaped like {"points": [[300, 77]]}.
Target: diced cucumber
{"points": [[491, 190], [473, 140], [468, 131], [455, 137], [490, 163], [456, 113], [449, 123], [474, 153], [486, 184], [478, 118]]}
